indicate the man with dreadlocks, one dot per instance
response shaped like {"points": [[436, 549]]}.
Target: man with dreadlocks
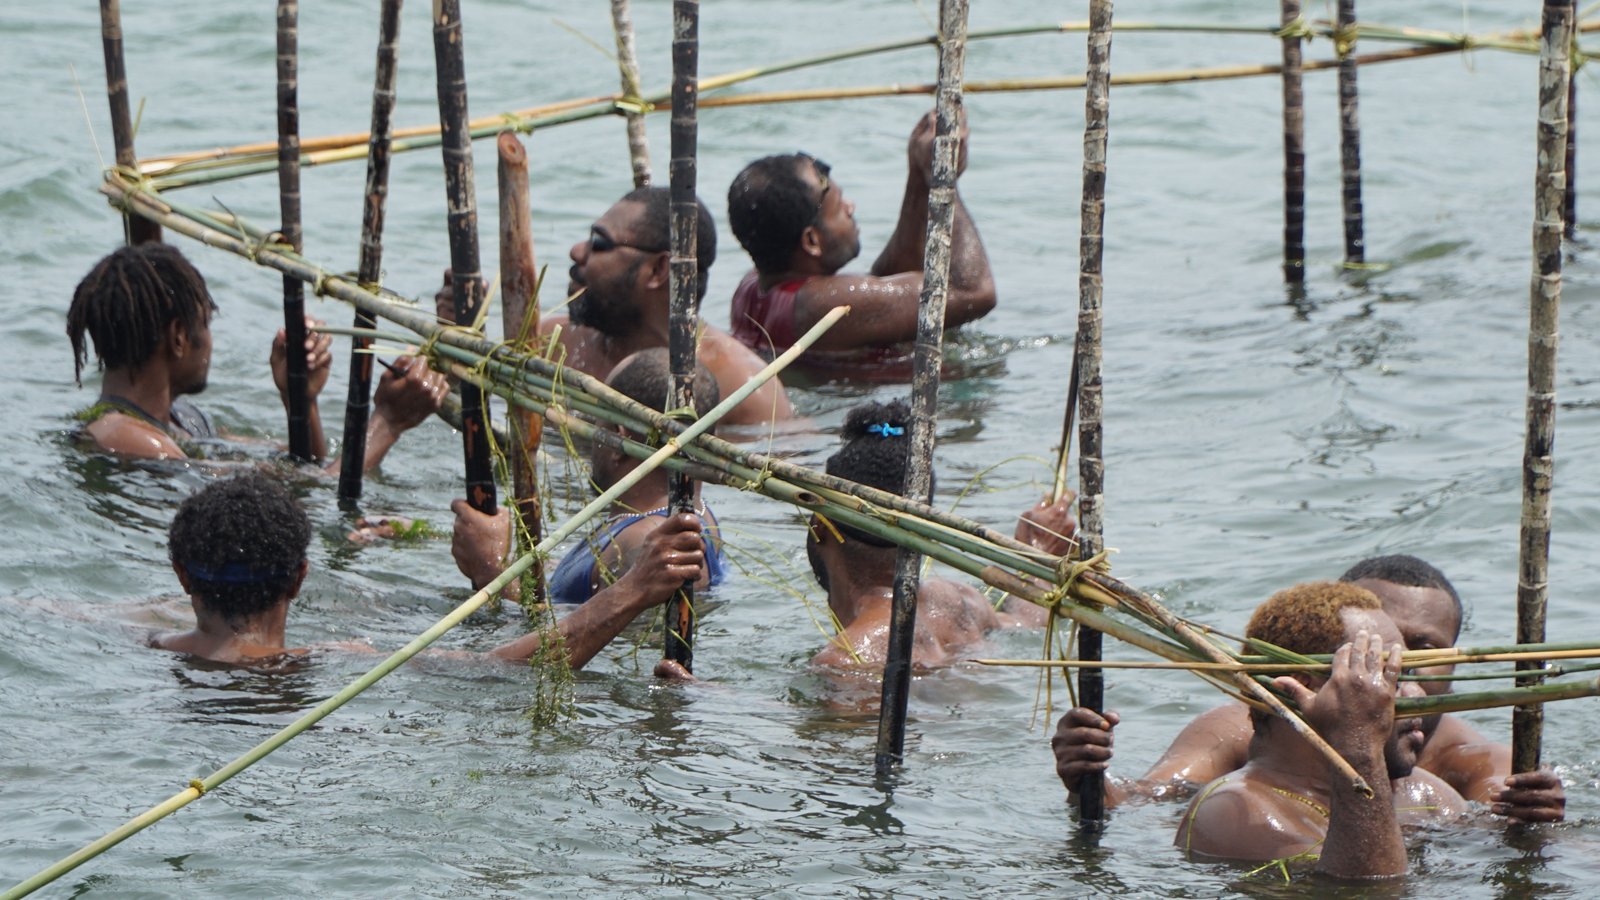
{"points": [[1425, 607], [238, 547], [148, 313], [857, 569]]}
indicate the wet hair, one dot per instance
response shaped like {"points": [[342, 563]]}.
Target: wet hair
{"points": [[645, 377], [241, 541], [770, 205], [127, 301], [877, 448], [1406, 571], [653, 231], [1306, 618]]}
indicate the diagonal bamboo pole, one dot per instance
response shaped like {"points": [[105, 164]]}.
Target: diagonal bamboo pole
{"points": [[136, 229], [1544, 308], [628, 68], [294, 298], [358, 401], [927, 356]]}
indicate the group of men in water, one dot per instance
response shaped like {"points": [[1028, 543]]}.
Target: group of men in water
{"points": [[238, 546]]}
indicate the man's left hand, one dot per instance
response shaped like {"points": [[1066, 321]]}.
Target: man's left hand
{"points": [[1530, 797], [319, 360], [1050, 526], [409, 393]]}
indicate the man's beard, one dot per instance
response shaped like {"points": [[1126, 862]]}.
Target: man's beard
{"points": [[603, 307]]}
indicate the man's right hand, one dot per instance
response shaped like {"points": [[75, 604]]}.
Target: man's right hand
{"points": [[669, 555], [1354, 709], [410, 393], [479, 542], [1082, 744], [919, 150]]}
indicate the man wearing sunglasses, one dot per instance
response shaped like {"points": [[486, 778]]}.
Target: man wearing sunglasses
{"points": [[792, 217]]}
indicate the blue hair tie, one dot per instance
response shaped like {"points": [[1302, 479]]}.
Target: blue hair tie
{"points": [[884, 429], [234, 573]]}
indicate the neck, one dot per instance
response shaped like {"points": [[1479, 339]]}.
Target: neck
{"points": [[149, 390], [1276, 748], [858, 580], [649, 330], [650, 493], [258, 636]]}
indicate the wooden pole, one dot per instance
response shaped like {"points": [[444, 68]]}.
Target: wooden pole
{"points": [[1294, 150], [467, 281], [519, 311], [1086, 365], [1058, 487], [135, 229], [1544, 307], [1349, 135], [685, 311], [294, 299], [628, 66], [358, 403], [928, 355], [1569, 208]]}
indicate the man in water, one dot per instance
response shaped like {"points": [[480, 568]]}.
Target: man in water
{"points": [[857, 569], [238, 547], [148, 313], [791, 215], [483, 541], [1424, 605], [620, 284], [1289, 800]]}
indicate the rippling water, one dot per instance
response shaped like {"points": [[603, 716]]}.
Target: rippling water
{"points": [[1252, 441]]}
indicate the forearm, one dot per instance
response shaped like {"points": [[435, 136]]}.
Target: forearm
{"points": [[319, 441], [1364, 838], [908, 243], [587, 630]]}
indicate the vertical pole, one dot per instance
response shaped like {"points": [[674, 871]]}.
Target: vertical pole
{"points": [[294, 298], [926, 360], [358, 403], [1086, 358], [136, 229], [1349, 135], [519, 317], [1544, 307], [467, 283], [685, 309], [1569, 207], [1294, 149], [628, 65]]}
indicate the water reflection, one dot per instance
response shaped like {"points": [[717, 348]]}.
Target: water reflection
{"points": [[216, 694]]}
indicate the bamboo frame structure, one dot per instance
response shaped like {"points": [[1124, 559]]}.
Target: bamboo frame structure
{"points": [[294, 298], [1294, 148], [358, 399], [1086, 368], [1544, 309], [1355, 253], [928, 354], [136, 230], [519, 319], [683, 318], [628, 69]]}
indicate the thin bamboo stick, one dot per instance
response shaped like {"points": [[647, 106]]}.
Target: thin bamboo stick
{"points": [[1569, 206], [1350, 136], [358, 401], [467, 281], [1086, 368], [927, 356], [1544, 308], [684, 314], [628, 68], [135, 230], [294, 298], [1058, 486], [519, 310], [1294, 149]]}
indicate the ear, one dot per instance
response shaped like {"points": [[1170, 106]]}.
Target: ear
{"points": [[183, 576], [299, 579], [811, 242], [178, 342], [658, 275]]}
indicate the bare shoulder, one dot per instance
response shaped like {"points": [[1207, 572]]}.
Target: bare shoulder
{"points": [[724, 354], [127, 436], [1423, 796], [1237, 817], [733, 364]]}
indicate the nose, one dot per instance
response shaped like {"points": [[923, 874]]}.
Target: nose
{"points": [[579, 252], [850, 208]]}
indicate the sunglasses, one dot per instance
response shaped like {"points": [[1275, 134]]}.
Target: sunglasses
{"points": [[600, 242]]}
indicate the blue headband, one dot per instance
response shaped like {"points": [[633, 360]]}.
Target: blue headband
{"points": [[886, 430], [235, 573]]}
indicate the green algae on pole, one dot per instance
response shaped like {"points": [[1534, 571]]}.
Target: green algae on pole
{"points": [[1544, 309], [927, 356], [1294, 148], [294, 298], [460, 192], [136, 229], [684, 315], [1349, 136], [628, 68], [1086, 368], [519, 318], [358, 401]]}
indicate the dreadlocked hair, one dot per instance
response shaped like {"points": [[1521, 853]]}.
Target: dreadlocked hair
{"points": [[241, 541], [127, 301]]}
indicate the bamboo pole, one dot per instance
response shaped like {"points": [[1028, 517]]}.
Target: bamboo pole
{"points": [[1544, 307], [294, 298], [927, 357], [1569, 206], [358, 402], [1069, 419], [467, 280], [1349, 136], [135, 229], [1294, 149], [628, 68], [519, 311], [1086, 369], [684, 317]]}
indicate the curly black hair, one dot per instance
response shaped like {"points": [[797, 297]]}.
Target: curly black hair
{"points": [[877, 447], [241, 541], [646, 377], [126, 302], [654, 230], [770, 206], [1406, 571]]}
